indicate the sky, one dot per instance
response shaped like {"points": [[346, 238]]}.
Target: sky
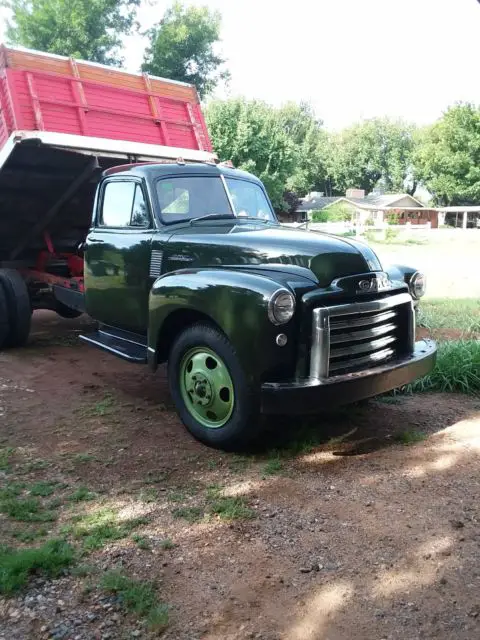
{"points": [[350, 59]]}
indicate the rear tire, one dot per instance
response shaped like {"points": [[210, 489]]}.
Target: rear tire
{"points": [[210, 390], [4, 324], [19, 308]]}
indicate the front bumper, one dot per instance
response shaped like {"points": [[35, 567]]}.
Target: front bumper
{"points": [[312, 395]]}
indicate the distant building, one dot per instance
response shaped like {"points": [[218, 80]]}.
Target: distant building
{"points": [[374, 207]]}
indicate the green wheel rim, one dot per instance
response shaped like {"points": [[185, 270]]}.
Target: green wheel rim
{"points": [[206, 387]]}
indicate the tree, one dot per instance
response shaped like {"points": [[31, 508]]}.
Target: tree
{"points": [[182, 47], [251, 134], [88, 29], [371, 152], [309, 139], [447, 159]]}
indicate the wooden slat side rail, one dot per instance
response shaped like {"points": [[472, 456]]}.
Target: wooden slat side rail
{"points": [[79, 96], [37, 110]]}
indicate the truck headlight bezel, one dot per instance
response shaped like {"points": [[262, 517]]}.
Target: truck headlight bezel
{"points": [[281, 307], [417, 285]]}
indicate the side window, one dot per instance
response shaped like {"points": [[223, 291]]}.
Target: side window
{"points": [[123, 205], [140, 217]]}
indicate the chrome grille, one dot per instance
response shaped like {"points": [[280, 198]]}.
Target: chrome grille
{"points": [[360, 335]]}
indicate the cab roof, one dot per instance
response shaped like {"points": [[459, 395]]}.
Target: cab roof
{"points": [[148, 170]]}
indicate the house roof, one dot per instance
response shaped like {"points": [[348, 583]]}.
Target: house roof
{"points": [[314, 203], [373, 201]]}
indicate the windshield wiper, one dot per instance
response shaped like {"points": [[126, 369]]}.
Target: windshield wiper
{"points": [[213, 216]]}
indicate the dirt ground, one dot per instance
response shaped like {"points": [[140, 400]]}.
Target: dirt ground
{"points": [[372, 533]]}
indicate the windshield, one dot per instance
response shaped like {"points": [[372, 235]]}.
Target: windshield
{"points": [[249, 200], [184, 198]]}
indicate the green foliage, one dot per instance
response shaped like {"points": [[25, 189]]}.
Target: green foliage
{"points": [[137, 597], [251, 134], [309, 140], [447, 158], [88, 29], [336, 212], [457, 369], [182, 47], [371, 151], [17, 565]]}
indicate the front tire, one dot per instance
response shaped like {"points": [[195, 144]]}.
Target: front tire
{"points": [[210, 390]]}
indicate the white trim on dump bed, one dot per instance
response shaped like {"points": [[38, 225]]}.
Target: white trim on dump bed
{"points": [[121, 149]]}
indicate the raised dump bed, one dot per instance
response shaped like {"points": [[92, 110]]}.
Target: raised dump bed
{"points": [[62, 122]]}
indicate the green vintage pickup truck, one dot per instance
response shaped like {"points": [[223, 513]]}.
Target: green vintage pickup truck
{"points": [[187, 264]]}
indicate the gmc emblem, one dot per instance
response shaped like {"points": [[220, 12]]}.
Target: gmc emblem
{"points": [[379, 282]]}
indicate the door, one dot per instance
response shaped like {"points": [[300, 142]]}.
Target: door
{"points": [[117, 256]]}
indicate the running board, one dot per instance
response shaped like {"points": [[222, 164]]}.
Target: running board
{"points": [[123, 344]]}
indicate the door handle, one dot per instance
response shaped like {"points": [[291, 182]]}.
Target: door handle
{"points": [[94, 241]]}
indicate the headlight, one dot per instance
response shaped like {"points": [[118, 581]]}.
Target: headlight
{"points": [[417, 285], [281, 307]]}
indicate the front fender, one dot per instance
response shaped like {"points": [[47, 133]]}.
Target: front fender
{"points": [[237, 302]]}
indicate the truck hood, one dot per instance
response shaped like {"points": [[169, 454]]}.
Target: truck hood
{"points": [[241, 244]]}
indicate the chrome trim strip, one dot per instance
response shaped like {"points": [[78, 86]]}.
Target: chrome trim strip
{"points": [[373, 305], [358, 362], [353, 336], [373, 345], [361, 322], [320, 351]]}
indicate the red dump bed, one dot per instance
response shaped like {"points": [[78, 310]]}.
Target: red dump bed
{"points": [[44, 92]]}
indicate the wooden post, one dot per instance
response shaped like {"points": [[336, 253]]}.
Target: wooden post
{"points": [[464, 220]]}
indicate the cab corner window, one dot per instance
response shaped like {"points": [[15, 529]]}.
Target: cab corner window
{"points": [[123, 205], [140, 216]]}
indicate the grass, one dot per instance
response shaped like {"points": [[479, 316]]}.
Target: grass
{"points": [[141, 541], [231, 508], [82, 494], [450, 313], [83, 457], [190, 514], [410, 436], [457, 369], [29, 535], [273, 466], [148, 495], [16, 566], [26, 509], [98, 529], [167, 544], [137, 597], [227, 507], [42, 489], [5, 454]]}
